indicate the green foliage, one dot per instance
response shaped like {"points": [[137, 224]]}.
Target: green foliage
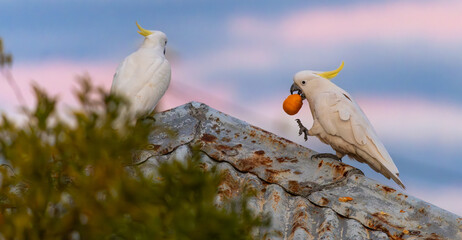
{"points": [[5, 59], [69, 180]]}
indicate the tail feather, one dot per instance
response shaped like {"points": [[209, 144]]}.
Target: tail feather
{"points": [[398, 180], [377, 166]]}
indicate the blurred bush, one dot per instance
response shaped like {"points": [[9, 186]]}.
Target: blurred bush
{"points": [[67, 179]]}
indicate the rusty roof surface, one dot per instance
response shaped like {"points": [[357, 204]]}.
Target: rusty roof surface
{"points": [[306, 198]]}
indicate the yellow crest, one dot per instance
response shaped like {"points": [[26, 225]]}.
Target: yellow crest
{"points": [[331, 74], [143, 31]]}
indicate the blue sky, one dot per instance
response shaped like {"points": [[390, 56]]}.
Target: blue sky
{"points": [[402, 64]]}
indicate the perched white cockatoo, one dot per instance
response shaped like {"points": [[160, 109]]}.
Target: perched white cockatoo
{"points": [[144, 76], [340, 122]]}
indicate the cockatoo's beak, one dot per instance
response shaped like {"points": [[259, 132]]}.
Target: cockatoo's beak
{"points": [[143, 31], [295, 88]]}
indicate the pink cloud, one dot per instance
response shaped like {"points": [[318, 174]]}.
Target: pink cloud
{"points": [[57, 78], [185, 87], [415, 120], [60, 78], [398, 21]]}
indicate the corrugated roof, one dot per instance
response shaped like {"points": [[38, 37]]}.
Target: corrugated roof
{"points": [[306, 198]]}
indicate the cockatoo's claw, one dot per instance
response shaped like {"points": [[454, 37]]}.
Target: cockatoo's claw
{"points": [[326, 155], [302, 129], [145, 120], [150, 118]]}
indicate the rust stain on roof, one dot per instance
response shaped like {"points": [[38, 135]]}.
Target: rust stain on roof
{"points": [[286, 159], [388, 189], [260, 152], [208, 137], [324, 201], [294, 186], [320, 163], [248, 164]]}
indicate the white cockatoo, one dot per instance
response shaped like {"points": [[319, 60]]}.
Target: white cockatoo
{"points": [[144, 76], [340, 122]]}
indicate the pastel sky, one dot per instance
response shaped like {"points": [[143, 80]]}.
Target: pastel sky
{"points": [[403, 62]]}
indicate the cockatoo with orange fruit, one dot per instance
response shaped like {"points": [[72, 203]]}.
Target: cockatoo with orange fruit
{"points": [[144, 76], [339, 121]]}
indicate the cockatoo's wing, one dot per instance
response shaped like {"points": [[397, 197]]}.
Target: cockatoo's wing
{"points": [[340, 116], [148, 96], [143, 80], [125, 69]]}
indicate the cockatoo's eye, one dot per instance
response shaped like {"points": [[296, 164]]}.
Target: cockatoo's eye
{"points": [[165, 42], [303, 82]]}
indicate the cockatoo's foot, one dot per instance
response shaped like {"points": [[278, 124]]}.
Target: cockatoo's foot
{"points": [[149, 118], [145, 120], [326, 155], [303, 129]]}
